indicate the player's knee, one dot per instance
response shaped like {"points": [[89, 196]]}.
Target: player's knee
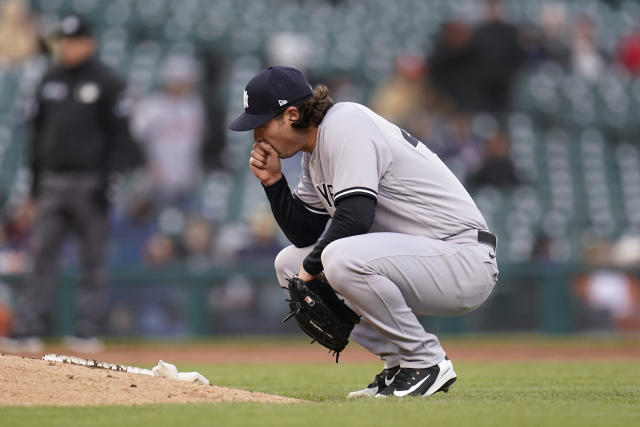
{"points": [[286, 264], [337, 263]]}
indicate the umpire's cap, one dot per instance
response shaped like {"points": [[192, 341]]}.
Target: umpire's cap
{"points": [[73, 26], [269, 93]]}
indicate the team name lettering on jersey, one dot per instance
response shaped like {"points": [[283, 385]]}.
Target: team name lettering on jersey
{"points": [[327, 192]]}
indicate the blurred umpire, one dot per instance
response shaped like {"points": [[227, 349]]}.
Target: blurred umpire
{"points": [[80, 126]]}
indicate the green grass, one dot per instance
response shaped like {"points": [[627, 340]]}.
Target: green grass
{"points": [[486, 394]]}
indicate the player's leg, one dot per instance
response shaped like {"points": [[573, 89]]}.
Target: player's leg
{"points": [[368, 337], [389, 277], [288, 263], [39, 292], [90, 221]]}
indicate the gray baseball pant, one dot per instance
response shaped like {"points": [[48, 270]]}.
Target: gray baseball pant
{"points": [[67, 204], [389, 278]]}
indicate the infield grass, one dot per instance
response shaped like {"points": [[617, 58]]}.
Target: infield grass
{"points": [[486, 394]]}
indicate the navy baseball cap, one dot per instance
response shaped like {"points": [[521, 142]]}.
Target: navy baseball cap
{"points": [[269, 93], [73, 26]]}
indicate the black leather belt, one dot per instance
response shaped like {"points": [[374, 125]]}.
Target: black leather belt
{"points": [[487, 238]]}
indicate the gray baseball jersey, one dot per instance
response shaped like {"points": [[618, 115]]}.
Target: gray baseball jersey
{"points": [[359, 152]]}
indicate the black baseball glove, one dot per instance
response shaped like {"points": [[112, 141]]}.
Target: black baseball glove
{"points": [[321, 314]]}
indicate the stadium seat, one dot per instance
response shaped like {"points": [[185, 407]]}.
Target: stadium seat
{"points": [[575, 142]]}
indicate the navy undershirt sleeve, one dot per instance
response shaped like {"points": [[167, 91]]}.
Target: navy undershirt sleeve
{"points": [[354, 215], [301, 226]]}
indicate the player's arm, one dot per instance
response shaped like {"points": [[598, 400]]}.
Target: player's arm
{"points": [[116, 115], [355, 187], [34, 119], [301, 226], [354, 215]]}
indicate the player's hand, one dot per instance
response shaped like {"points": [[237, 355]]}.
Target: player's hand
{"points": [[306, 277], [265, 163]]}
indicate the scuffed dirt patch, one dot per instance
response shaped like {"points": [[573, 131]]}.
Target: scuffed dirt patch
{"points": [[25, 381]]}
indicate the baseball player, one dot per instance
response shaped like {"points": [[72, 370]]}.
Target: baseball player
{"points": [[405, 237]]}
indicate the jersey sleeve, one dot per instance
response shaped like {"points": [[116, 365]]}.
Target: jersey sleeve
{"points": [[34, 118], [358, 156], [116, 111], [305, 191]]}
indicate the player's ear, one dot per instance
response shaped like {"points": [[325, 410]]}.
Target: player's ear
{"points": [[292, 114]]}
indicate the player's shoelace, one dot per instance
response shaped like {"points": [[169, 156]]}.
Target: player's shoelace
{"points": [[406, 378], [402, 379], [379, 380]]}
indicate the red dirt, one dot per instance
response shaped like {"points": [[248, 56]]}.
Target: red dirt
{"points": [[493, 349], [25, 381]]}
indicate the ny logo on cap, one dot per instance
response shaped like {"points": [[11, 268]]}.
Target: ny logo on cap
{"points": [[246, 100]]}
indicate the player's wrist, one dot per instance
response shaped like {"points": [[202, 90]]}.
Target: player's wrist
{"points": [[272, 180]]}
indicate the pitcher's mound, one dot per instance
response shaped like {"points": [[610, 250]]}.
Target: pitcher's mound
{"points": [[37, 382]]}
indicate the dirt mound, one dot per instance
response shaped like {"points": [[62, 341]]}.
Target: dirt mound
{"points": [[25, 381]]}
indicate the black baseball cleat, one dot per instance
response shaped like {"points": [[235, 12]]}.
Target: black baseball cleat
{"points": [[421, 382], [380, 382]]}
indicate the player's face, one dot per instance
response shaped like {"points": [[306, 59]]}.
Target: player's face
{"points": [[280, 135], [75, 50]]}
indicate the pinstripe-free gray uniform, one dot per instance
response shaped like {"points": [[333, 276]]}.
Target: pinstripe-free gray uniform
{"points": [[421, 255]]}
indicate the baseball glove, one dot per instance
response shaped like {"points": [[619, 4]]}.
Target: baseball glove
{"points": [[321, 314]]}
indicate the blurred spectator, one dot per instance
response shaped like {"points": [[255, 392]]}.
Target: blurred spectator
{"points": [[611, 296], [157, 308], [160, 251], [497, 168], [342, 86], [457, 146], [532, 42], [170, 126], [626, 251], [402, 98], [546, 40], [18, 32], [548, 249], [15, 237], [451, 72], [5, 310], [17, 228], [289, 49], [586, 59], [542, 251], [239, 305], [132, 223], [234, 307], [197, 241], [629, 52], [498, 56], [263, 244], [80, 123]]}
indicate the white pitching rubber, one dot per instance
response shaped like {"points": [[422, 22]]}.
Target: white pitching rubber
{"points": [[60, 358], [163, 370]]}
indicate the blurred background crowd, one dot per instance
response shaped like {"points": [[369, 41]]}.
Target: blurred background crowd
{"points": [[534, 104]]}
